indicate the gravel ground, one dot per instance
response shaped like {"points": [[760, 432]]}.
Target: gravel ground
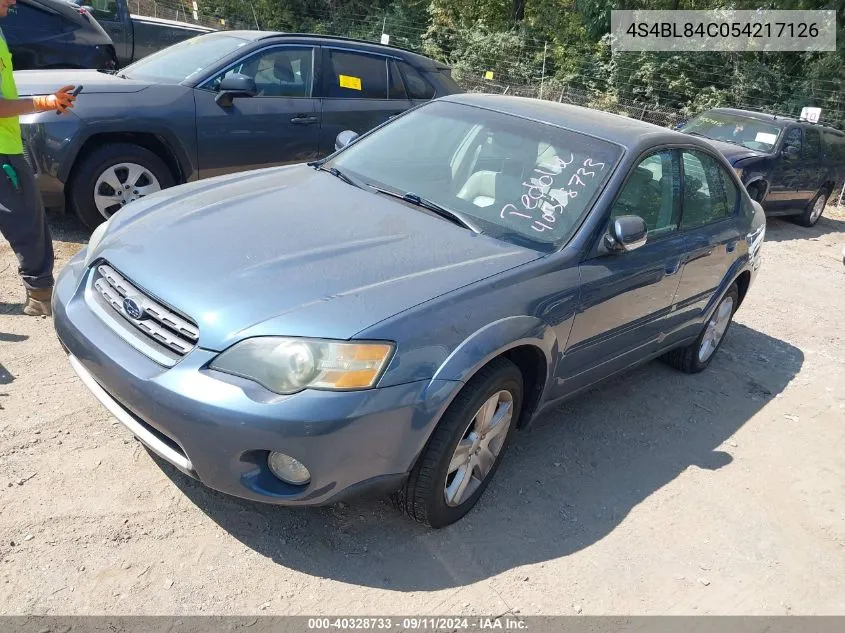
{"points": [[655, 493]]}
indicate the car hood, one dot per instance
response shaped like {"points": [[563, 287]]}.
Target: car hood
{"points": [[734, 153], [293, 251], [42, 82]]}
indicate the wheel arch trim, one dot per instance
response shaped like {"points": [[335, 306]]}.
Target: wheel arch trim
{"points": [[171, 140]]}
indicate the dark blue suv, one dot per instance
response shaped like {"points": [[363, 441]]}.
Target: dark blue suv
{"points": [[790, 167]]}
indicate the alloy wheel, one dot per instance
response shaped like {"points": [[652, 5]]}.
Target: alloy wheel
{"points": [[818, 208], [121, 184], [478, 448], [715, 329]]}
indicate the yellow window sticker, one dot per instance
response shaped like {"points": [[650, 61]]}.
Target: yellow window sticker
{"points": [[488, 74], [353, 83]]}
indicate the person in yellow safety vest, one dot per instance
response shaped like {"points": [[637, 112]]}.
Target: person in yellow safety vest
{"points": [[22, 219]]}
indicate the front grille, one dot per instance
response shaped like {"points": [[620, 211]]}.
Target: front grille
{"points": [[157, 321]]}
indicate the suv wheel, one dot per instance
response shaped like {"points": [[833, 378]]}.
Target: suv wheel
{"points": [[466, 448], [696, 356], [814, 210], [111, 177]]}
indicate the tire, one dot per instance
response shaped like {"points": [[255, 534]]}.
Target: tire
{"points": [[757, 191], [814, 210], [688, 359], [107, 157], [424, 495]]}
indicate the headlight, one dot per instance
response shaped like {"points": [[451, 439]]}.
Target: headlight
{"points": [[287, 365], [94, 241]]}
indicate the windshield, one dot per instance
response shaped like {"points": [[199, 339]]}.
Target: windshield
{"points": [[521, 181], [733, 128], [177, 63]]}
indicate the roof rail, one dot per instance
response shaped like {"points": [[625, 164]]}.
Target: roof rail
{"points": [[342, 38]]}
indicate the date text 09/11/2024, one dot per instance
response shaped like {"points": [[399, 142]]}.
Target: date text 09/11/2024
{"points": [[482, 623], [666, 30]]}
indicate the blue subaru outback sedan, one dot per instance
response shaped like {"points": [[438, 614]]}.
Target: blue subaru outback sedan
{"points": [[385, 319]]}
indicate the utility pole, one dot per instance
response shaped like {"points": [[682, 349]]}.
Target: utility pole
{"points": [[543, 78]]}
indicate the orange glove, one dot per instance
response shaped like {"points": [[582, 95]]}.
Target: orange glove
{"points": [[60, 100]]}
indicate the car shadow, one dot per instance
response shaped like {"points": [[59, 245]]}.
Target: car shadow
{"points": [[66, 227], [6, 376], [11, 308], [6, 337], [781, 229], [566, 482]]}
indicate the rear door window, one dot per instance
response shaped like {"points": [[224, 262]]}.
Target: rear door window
{"points": [[395, 87], [834, 146], [418, 87], [352, 75]]}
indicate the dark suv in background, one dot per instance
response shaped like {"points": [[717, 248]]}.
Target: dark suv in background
{"points": [[56, 34], [791, 167], [219, 103]]}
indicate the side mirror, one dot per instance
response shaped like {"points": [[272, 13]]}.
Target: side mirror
{"points": [[344, 138], [626, 233], [791, 152], [233, 86]]}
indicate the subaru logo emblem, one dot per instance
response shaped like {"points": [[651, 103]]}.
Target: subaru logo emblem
{"points": [[133, 308]]}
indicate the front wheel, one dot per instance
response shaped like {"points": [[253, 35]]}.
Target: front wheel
{"points": [[757, 191], [111, 177], [466, 448], [696, 356], [814, 211]]}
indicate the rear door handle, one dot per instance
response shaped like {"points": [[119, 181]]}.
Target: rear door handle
{"points": [[303, 119]]}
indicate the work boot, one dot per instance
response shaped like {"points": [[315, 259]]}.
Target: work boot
{"points": [[38, 302]]}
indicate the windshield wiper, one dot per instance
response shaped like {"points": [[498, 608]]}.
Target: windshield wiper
{"points": [[334, 171], [721, 140], [443, 212]]}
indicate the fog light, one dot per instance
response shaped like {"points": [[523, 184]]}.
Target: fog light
{"points": [[288, 469]]}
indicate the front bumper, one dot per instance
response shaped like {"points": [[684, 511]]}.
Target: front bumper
{"points": [[219, 431]]}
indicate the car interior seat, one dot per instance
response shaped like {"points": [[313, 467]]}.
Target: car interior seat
{"points": [[517, 156], [279, 80]]}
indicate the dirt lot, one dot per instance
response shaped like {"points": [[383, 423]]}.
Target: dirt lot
{"points": [[655, 493]]}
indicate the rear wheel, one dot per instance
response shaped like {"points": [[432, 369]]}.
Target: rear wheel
{"points": [[466, 448], [111, 177], [696, 356], [813, 211]]}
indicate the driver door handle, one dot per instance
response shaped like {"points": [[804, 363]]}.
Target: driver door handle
{"points": [[303, 119]]}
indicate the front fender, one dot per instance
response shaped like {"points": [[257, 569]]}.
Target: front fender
{"points": [[494, 339], [120, 128]]}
